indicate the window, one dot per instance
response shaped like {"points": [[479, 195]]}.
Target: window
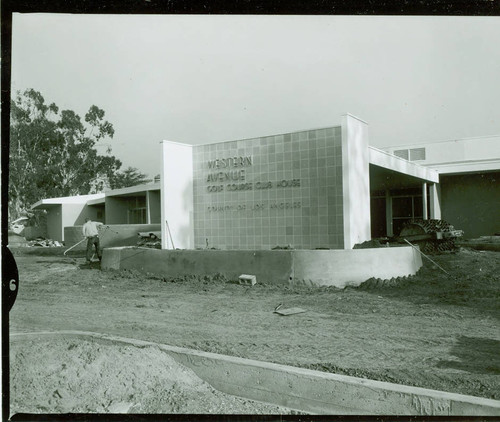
{"points": [[404, 209], [137, 212], [414, 154], [401, 153], [136, 216], [417, 154]]}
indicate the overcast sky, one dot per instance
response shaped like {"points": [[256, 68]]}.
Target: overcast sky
{"points": [[202, 79]]}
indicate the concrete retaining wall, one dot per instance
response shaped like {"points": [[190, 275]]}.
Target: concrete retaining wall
{"points": [[268, 266], [340, 268], [303, 389], [113, 235], [337, 268]]}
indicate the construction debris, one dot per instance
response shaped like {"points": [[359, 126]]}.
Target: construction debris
{"points": [[45, 243], [17, 226], [149, 239], [150, 235], [247, 279], [432, 236]]}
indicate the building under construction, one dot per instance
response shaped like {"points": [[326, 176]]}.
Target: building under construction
{"points": [[323, 188]]}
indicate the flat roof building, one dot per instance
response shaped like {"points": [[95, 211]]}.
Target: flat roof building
{"points": [[130, 206], [469, 180], [313, 189], [309, 189]]}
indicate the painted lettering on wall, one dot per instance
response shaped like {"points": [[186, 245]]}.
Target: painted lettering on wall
{"points": [[285, 205], [225, 176], [255, 206], [231, 187], [219, 163]]}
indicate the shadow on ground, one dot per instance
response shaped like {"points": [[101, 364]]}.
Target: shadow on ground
{"points": [[69, 261], [91, 266], [476, 355]]}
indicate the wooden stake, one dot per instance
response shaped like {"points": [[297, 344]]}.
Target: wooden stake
{"points": [[435, 263], [170, 234]]}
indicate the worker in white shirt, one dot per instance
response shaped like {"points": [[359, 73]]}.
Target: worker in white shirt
{"points": [[91, 232]]}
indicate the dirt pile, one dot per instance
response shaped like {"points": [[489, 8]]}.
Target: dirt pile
{"points": [[74, 376]]}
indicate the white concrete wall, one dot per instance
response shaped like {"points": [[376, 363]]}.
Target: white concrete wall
{"points": [[460, 155], [355, 180], [337, 268], [177, 195], [351, 268]]}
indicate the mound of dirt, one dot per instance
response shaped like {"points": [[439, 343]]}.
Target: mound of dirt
{"points": [[76, 376]]}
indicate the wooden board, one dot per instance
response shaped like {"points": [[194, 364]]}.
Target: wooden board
{"points": [[148, 234]]}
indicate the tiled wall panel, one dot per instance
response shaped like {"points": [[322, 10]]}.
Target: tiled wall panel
{"points": [[273, 191]]}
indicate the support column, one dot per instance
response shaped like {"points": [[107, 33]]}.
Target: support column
{"points": [[435, 200], [148, 208], [388, 213], [355, 181], [177, 196], [425, 216]]}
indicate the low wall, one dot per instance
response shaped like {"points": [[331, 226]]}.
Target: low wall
{"points": [[303, 389], [345, 267], [267, 266], [337, 268], [112, 235]]}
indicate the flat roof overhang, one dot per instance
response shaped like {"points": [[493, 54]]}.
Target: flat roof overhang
{"points": [[97, 201], [43, 206], [468, 166], [134, 190], [390, 172], [382, 179], [79, 199]]}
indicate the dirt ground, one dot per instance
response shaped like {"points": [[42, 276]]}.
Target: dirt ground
{"points": [[433, 330], [75, 376]]}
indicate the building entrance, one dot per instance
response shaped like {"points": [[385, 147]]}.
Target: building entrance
{"points": [[404, 209]]}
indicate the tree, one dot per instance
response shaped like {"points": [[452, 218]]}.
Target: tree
{"points": [[53, 154], [128, 177]]}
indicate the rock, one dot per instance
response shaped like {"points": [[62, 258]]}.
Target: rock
{"points": [[63, 393], [120, 407]]}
